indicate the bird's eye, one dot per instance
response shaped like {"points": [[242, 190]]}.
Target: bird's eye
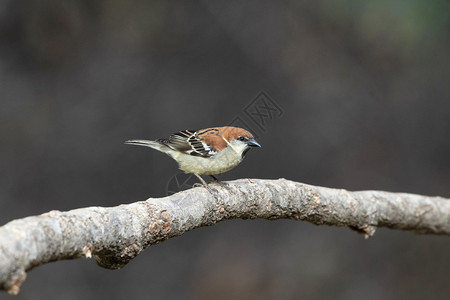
{"points": [[242, 138]]}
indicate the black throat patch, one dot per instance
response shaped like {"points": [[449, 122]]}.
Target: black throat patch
{"points": [[245, 152]]}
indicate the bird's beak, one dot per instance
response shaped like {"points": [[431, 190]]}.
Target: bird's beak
{"points": [[253, 143]]}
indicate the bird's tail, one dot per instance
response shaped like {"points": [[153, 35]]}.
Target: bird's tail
{"points": [[146, 143]]}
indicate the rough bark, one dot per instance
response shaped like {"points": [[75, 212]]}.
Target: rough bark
{"points": [[115, 235]]}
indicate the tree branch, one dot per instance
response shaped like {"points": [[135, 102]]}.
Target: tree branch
{"points": [[115, 235]]}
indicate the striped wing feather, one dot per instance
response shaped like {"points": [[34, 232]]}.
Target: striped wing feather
{"points": [[188, 141]]}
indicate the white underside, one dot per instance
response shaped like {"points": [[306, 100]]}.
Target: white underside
{"points": [[223, 161]]}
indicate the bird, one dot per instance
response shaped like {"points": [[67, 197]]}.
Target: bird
{"points": [[209, 151]]}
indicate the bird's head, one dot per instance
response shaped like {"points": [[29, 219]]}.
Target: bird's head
{"points": [[239, 139]]}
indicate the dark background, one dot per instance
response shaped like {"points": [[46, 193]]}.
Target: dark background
{"points": [[364, 89]]}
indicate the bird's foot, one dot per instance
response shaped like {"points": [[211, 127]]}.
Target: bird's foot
{"points": [[214, 178], [217, 181], [206, 186]]}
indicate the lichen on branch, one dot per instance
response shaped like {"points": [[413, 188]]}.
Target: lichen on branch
{"points": [[115, 235]]}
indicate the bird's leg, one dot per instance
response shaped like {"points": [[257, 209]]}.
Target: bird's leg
{"points": [[201, 179], [205, 185], [214, 178]]}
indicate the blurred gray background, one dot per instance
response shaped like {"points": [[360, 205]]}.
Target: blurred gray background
{"points": [[365, 92]]}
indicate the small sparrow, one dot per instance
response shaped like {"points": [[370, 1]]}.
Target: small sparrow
{"points": [[205, 152]]}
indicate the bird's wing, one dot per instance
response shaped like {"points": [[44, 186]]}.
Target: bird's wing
{"points": [[189, 142]]}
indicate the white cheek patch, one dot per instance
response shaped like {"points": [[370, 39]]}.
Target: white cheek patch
{"points": [[238, 147]]}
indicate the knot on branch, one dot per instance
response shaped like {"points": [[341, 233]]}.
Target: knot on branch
{"points": [[155, 224], [117, 258]]}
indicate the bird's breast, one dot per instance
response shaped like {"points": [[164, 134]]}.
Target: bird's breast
{"points": [[223, 161]]}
